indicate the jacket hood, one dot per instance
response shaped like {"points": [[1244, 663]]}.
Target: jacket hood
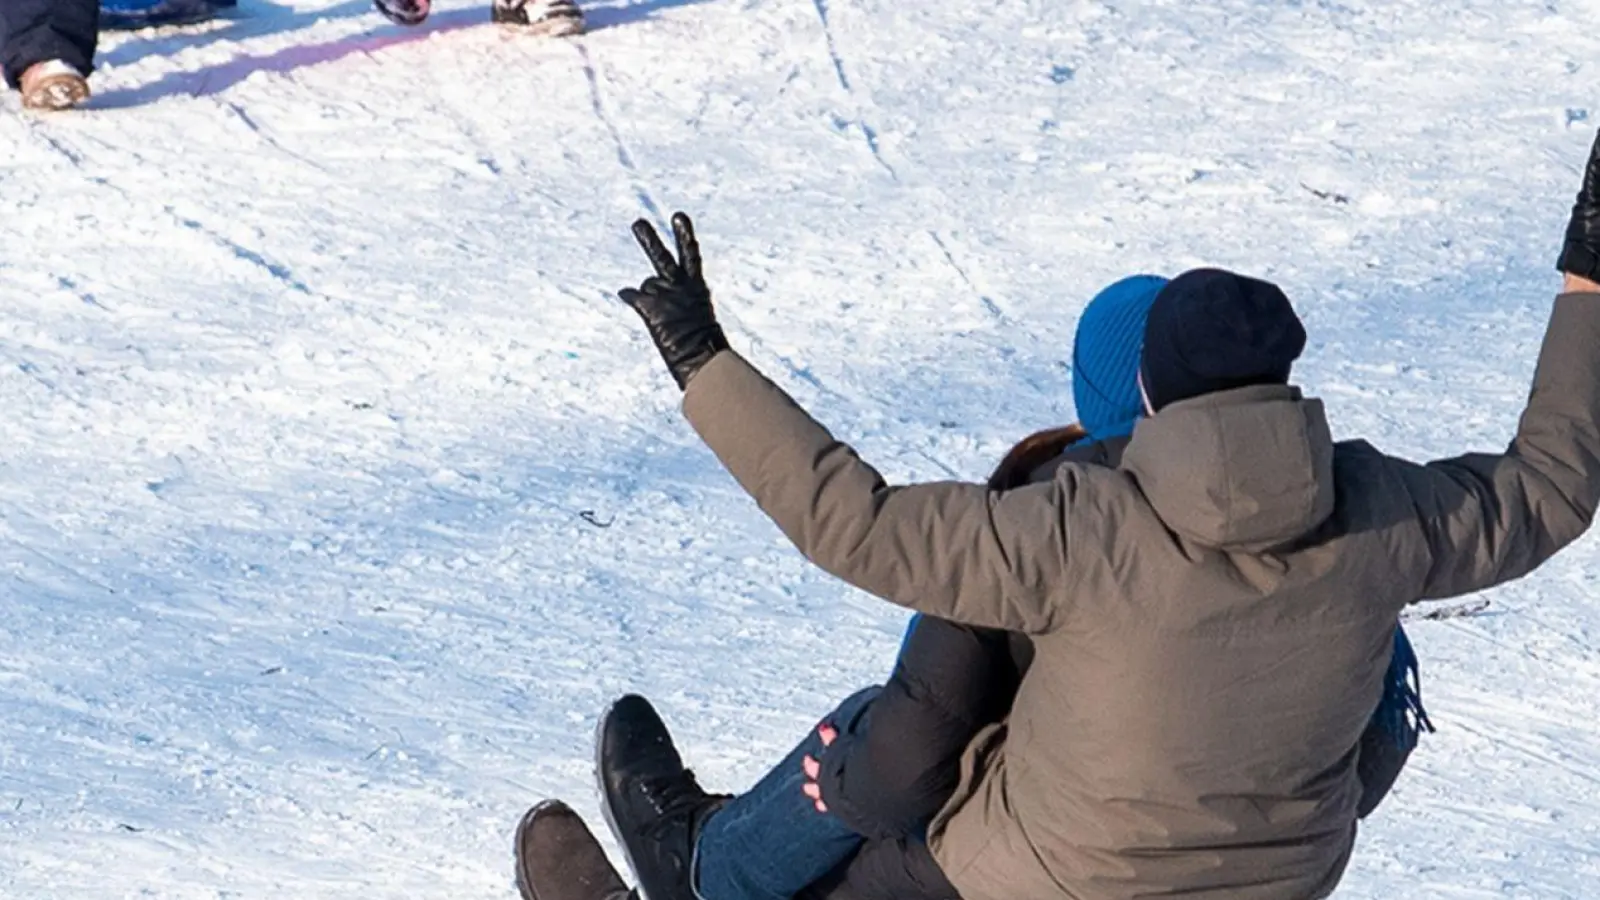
{"points": [[1245, 469]]}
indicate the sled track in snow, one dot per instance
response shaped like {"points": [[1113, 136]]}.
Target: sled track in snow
{"points": [[625, 157]]}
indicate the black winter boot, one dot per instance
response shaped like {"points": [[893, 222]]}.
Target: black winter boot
{"points": [[652, 803], [559, 859]]}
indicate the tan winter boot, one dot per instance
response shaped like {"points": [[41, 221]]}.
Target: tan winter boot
{"points": [[53, 85]]}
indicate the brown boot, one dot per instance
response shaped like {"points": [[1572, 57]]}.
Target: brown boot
{"points": [[559, 859], [53, 85]]}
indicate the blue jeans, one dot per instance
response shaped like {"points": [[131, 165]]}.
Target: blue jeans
{"points": [[770, 842], [33, 31]]}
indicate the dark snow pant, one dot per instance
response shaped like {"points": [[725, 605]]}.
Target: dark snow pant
{"points": [[32, 31], [1378, 766], [888, 778], [891, 774], [772, 843], [897, 869]]}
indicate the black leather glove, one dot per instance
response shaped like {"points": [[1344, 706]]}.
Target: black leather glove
{"points": [[1580, 255], [675, 304]]}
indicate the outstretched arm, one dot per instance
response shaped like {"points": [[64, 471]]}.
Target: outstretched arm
{"points": [[952, 550], [1491, 518]]}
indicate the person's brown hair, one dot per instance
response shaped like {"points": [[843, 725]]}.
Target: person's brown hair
{"points": [[1032, 452]]}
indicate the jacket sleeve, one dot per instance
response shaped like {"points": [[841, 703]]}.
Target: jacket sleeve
{"points": [[949, 549], [1492, 518]]}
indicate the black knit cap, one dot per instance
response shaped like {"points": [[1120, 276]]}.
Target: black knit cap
{"points": [[1211, 330]]}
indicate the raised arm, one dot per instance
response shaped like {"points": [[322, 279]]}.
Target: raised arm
{"points": [[1491, 518], [953, 550]]}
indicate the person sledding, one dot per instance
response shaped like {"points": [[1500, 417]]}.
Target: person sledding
{"points": [[1212, 620], [895, 768]]}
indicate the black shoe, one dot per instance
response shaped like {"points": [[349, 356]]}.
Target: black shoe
{"points": [[559, 859], [404, 12], [652, 803], [547, 18]]}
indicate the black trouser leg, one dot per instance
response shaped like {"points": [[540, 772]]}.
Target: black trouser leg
{"points": [[898, 869], [1378, 767], [950, 682], [32, 31]]}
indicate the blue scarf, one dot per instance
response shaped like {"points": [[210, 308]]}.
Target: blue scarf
{"points": [[1400, 714]]}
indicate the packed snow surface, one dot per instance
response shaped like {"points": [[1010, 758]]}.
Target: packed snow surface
{"points": [[338, 494]]}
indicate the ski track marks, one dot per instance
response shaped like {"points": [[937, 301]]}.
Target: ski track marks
{"points": [[591, 74], [859, 122]]}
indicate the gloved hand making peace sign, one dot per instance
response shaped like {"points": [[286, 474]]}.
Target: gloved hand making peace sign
{"points": [[675, 303]]}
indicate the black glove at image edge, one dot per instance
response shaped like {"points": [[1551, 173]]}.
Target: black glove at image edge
{"points": [[1580, 254], [1576, 259]]}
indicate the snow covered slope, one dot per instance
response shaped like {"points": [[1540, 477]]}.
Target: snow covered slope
{"points": [[337, 494]]}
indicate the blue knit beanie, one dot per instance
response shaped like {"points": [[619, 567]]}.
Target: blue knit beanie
{"points": [[1105, 356]]}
